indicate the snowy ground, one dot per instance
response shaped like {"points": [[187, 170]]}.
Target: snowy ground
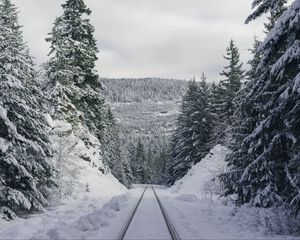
{"points": [[191, 204], [92, 218], [148, 222], [62, 217], [210, 219]]}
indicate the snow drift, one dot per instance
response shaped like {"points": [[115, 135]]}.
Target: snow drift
{"points": [[202, 179], [79, 162]]}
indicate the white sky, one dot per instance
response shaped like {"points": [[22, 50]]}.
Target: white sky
{"points": [[143, 38]]}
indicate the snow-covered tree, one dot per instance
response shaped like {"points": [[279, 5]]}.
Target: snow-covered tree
{"points": [[190, 140], [74, 87], [231, 84], [271, 176], [243, 124], [139, 166], [225, 94], [112, 151], [266, 6], [25, 149]]}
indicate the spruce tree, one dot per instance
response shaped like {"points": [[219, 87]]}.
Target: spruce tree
{"points": [[231, 84], [216, 93], [74, 87], [243, 124], [25, 149], [139, 165], [189, 142], [271, 175], [228, 89], [112, 148]]}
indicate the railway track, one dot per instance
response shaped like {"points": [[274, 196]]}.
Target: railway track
{"points": [[173, 233], [171, 229], [126, 226]]}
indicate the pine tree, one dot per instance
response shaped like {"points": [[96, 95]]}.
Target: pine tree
{"points": [[243, 124], [231, 84], [272, 175], [216, 93], [25, 149], [112, 149], [190, 140], [139, 165], [228, 90], [74, 87]]}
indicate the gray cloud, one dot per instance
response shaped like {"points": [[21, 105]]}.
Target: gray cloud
{"points": [[164, 38]]}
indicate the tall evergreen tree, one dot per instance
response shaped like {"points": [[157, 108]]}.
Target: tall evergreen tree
{"points": [[231, 84], [139, 166], [25, 149], [243, 124], [228, 90], [190, 139], [272, 175], [216, 93], [112, 148], [74, 87]]}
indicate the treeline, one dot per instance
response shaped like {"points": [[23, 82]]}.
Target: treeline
{"points": [[206, 116], [147, 153], [143, 89], [47, 124], [256, 115]]}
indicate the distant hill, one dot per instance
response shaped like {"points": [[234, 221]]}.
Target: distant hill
{"points": [[143, 89]]}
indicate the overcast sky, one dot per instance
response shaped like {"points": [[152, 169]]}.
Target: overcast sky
{"points": [[162, 38]]}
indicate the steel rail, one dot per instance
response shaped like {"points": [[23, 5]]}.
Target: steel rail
{"points": [[126, 226], [173, 233]]}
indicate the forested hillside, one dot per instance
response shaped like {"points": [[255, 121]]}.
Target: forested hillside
{"points": [[146, 110], [143, 89]]}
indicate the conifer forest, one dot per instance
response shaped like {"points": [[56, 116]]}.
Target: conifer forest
{"points": [[145, 119]]}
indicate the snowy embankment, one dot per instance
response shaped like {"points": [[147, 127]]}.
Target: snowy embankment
{"points": [[197, 211], [85, 185], [82, 211], [87, 218], [201, 180], [70, 216]]}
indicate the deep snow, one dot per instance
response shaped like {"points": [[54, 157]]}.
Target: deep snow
{"points": [[80, 214], [194, 204], [195, 212], [201, 180]]}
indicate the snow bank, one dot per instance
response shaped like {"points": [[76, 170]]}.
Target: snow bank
{"points": [[85, 185], [100, 218], [70, 219], [196, 197], [201, 179], [79, 160]]}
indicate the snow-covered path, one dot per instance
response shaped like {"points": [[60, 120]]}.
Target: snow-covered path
{"points": [[148, 221]]}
